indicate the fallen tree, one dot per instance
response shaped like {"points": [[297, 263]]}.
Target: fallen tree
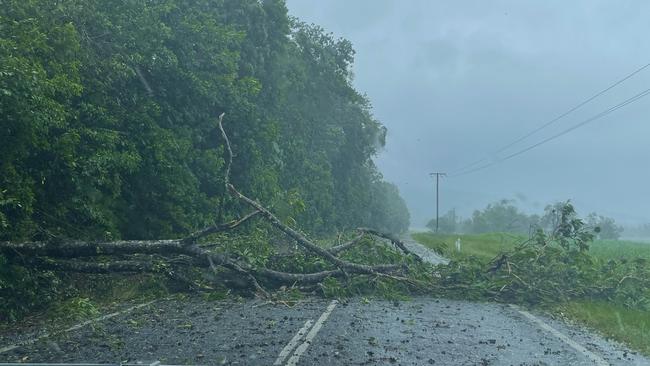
{"points": [[171, 256]]}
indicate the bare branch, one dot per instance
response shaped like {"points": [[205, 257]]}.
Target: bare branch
{"points": [[73, 249], [302, 240], [93, 267], [227, 262], [311, 278], [218, 228], [345, 246], [230, 155]]}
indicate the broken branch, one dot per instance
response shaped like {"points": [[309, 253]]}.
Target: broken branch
{"points": [[398, 243]]}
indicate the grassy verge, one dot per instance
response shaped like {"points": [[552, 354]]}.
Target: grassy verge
{"points": [[617, 249], [629, 326], [488, 246], [483, 246]]}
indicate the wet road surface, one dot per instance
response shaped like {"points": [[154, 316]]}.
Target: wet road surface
{"points": [[425, 253], [422, 331]]}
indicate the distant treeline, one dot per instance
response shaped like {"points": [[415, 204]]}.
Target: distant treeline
{"points": [[108, 120], [638, 231], [505, 216]]}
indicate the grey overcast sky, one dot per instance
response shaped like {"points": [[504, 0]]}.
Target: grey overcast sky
{"points": [[453, 81]]}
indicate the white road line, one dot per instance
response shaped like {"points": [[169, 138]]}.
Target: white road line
{"points": [[590, 355], [8, 348], [312, 333], [293, 343], [74, 327]]}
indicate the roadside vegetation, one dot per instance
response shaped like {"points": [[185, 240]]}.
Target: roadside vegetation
{"points": [[624, 324], [109, 132], [489, 245], [483, 246], [603, 284], [620, 249]]}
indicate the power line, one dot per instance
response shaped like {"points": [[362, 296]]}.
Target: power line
{"points": [[543, 126], [564, 132]]}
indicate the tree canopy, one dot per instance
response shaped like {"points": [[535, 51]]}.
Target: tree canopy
{"points": [[109, 120]]}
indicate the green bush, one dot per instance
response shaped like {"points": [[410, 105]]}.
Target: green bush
{"points": [[23, 290]]}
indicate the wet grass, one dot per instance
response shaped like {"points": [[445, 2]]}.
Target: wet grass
{"points": [[629, 326], [484, 246], [618, 249], [488, 246]]}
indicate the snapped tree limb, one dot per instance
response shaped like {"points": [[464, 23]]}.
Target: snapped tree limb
{"points": [[74, 256], [345, 246]]}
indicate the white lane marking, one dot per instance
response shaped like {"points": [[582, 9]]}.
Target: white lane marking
{"points": [[74, 327], [590, 355], [312, 333], [293, 343], [8, 348]]}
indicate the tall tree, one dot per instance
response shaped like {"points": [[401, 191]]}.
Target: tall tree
{"points": [[109, 108]]}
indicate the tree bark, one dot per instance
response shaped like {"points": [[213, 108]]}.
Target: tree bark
{"points": [[75, 249]]}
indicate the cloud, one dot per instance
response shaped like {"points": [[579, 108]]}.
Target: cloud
{"points": [[455, 81]]}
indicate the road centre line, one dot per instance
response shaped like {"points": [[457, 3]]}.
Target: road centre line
{"points": [[590, 355], [293, 343], [293, 360]]}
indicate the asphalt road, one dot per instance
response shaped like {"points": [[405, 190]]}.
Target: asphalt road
{"points": [[422, 331], [424, 253]]}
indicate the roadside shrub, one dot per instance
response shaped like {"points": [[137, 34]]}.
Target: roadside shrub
{"points": [[550, 268], [23, 290], [75, 309]]}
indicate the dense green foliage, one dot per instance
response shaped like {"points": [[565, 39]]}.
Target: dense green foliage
{"points": [[108, 120]]}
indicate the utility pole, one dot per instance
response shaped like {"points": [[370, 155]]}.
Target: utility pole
{"points": [[438, 175]]}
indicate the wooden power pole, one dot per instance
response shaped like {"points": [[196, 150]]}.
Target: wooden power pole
{"points": [[437, 175]]}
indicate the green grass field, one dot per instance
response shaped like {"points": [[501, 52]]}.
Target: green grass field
{"points": [[629, 326], [488, 246], [617, 249], [484, 246]]}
